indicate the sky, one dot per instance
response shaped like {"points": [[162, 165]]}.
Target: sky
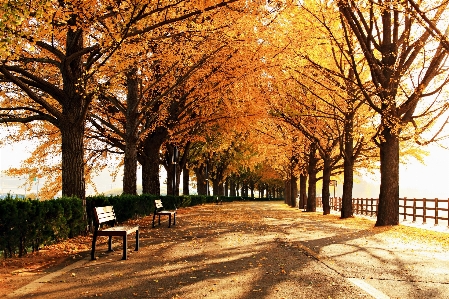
{"points": [[416, 180]]}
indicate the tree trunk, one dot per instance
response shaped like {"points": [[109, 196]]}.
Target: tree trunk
{"points": [[388, 210], [294, 190], [172, 182], [73, 124], [73, 159], [215, 188], [232, 188], [221, 188], [150, 173], [311, 197], [200, 173], [130, 167], [302, 191], [288, 190], [327, 169], [185, 180], [149, 159], [348, 168], [130, 159], [245, 190], [226, 187]]}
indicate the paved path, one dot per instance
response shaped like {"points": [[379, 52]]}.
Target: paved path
{"points": [[258, 250]]}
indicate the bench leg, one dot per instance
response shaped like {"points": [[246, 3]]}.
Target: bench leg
{"points": [[137, 240], [125, 245], [154, 217], [174, 218], [94, 240], [110, 244]]}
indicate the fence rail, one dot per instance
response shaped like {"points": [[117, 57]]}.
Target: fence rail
{"points": [[409, 209]]}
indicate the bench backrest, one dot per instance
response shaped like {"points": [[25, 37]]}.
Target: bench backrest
{"points": [[104, 214], [158, 205]]}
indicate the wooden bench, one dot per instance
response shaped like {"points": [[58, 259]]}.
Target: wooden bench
{"points": [[106, 214], [218, 200], [159, 210]]}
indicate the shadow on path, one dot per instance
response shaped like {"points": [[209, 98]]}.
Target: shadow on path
{"points": [[252, 250]]}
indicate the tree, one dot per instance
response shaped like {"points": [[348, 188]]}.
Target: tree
{"points": [[407, 70]]}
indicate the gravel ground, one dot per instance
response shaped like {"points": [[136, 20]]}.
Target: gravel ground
{"points": [[252, 250]]}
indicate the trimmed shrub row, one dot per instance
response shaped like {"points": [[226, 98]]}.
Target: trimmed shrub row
{"points": [[26, 225]]}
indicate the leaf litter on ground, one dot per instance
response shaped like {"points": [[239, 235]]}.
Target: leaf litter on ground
{"points": [[216, 218]]}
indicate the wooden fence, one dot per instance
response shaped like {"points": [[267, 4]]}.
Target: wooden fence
{"points": [[409, 209]]}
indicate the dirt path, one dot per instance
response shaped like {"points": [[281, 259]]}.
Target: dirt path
{"points": [[247, 250]]}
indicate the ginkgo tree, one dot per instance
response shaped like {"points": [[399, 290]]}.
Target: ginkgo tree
{"points": [[408, 73]]}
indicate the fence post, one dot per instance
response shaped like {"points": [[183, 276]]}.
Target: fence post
{"points": [[360, 206], [377, 206], [372, 207], [364, 206], [436, 211], [414, 210], [405, 208], [424, 210]]}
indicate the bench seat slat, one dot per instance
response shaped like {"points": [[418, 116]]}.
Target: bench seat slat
{"points": [[166, 212], [117, 231]]}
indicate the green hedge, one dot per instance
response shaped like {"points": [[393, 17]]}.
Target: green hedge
{"points": [[26, 225]]}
